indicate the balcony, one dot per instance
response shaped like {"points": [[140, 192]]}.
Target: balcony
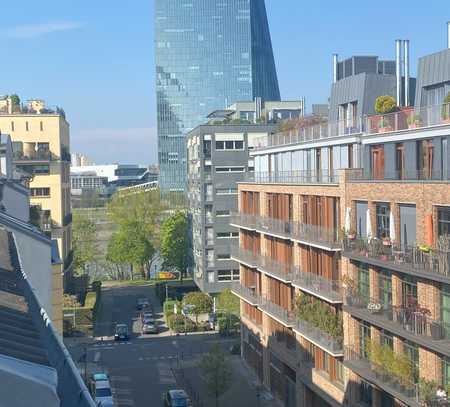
{"points": [[412, 323], [273, 268], [29, 110], [329, 290], [314, 235], [244, 293], [407, 391], [295, 177], [360, 175], [34, 156], [309, 129], [420, 262], [409, 119], [330, 344], [277, 312]]}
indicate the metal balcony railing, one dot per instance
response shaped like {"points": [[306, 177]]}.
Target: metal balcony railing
{"points": [[407, 119], [409, 259], [321, 338], [415, 319], [293, 177], [359, 175], [319, 286]]}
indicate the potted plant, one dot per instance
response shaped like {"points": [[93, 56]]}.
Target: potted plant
{"points": [[446, 109], [427, 390], [352, 234], [414, 121], [384, 105], [387, 242], [424, 248], [361, 247], [403, 371]]}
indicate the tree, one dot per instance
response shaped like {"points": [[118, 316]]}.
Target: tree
{"points": [[84, 241], [175, 242], [385, 104], [137, 217], [228, 302], [216, 372], [200, 303]]}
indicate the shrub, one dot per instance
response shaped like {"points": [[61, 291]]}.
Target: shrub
{"points": [[178, 323], [385, 104]]}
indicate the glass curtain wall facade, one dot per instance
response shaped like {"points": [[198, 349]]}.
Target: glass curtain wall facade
{"points": [[209, 54]]}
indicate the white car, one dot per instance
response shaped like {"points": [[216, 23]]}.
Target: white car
{"points": [[102, 393]]}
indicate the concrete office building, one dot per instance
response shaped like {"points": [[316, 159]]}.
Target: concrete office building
{"points": [[41, 146], [217, 160], [344, 246], [209, 54]]}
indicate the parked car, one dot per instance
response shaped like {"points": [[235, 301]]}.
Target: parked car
{"points": [[149, 328], [121, 333], [146, 315], [99, 377], [142, 303], [106, 403], [102, 393], [176, 398]]}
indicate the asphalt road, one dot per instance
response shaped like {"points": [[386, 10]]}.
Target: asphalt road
{"points": [[140, 369]]}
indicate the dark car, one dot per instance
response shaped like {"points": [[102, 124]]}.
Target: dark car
{"points": [[142, 303], [121, 333], [176, 398]]}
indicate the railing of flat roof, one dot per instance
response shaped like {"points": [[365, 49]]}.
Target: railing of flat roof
{"points": [[72, 391], [316, 129], [27, 110], [313, 129]]}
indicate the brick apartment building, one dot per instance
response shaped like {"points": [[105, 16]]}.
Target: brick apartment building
{"points": [[344, 245]]}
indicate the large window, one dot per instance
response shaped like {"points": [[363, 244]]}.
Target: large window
{"points": [[385, 287], [407, 225], [409, 292], [228, 275], [364, 339], [383, 220], [443, 221], [445, 307], [230, 145], [40, 192], [363, 280], [361, 219]]}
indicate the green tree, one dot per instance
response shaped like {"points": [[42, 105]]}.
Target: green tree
{"points": [[216, 372], [84, 241], [228, 302], [385, 104], [175, 242], [200, 303]]}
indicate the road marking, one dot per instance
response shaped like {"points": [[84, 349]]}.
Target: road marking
{"points": [[175, 344]]}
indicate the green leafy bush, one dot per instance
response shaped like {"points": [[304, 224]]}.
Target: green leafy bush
{"points": [[385, 104], [178, 323]]}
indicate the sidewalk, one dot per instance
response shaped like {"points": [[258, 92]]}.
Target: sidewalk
{"points": [[242, 393]]}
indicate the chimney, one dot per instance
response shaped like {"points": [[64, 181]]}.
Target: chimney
{"points": [[398, 70], [448, 34], [406, 69], [335, 68]]}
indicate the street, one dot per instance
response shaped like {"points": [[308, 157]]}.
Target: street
{"points": [[139, 369]]}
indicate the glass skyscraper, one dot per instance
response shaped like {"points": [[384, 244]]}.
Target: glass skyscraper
{"points": [[209, 54]]}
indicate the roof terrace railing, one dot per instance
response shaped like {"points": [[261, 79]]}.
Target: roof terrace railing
{"points": [[312, 129], [409, 118]]}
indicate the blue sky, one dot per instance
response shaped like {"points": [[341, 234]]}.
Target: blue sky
{"points": [[95, 58]]}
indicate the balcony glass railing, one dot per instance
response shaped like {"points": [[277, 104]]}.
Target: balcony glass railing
{"points": [[278, 312], [411, 260], [415, 320], [410, 118], [333, 345], [293, 177], [247, 294], [320, 286], [358, 175], [310, 129]]}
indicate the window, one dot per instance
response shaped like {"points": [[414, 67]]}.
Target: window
{"points": [[363, 280], [400, 161], [207, 148], [223, 256], [409, 292], [364, 339], [37, 192], [227, 235], [27, 127], [445, 308], [383, 220], [361, 219], [407, 226], [223, 213], [210, 257], [41, 126], [446, 372], [228, 275], [211, 277], [230, 169], [226, 191], [230, 145], [12, 126], [443, 221], [339, 371], [366, 393], [385, 287]]}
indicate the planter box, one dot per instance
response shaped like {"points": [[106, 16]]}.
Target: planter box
{"points": [[386, 129]]}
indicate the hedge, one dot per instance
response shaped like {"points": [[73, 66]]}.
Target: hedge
{"points": [[178, 323]]}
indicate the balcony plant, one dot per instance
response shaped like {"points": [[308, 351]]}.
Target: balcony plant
{"points": [[403, 369], [427, 390], [446, 109], [414, 121], [384, 105]]}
